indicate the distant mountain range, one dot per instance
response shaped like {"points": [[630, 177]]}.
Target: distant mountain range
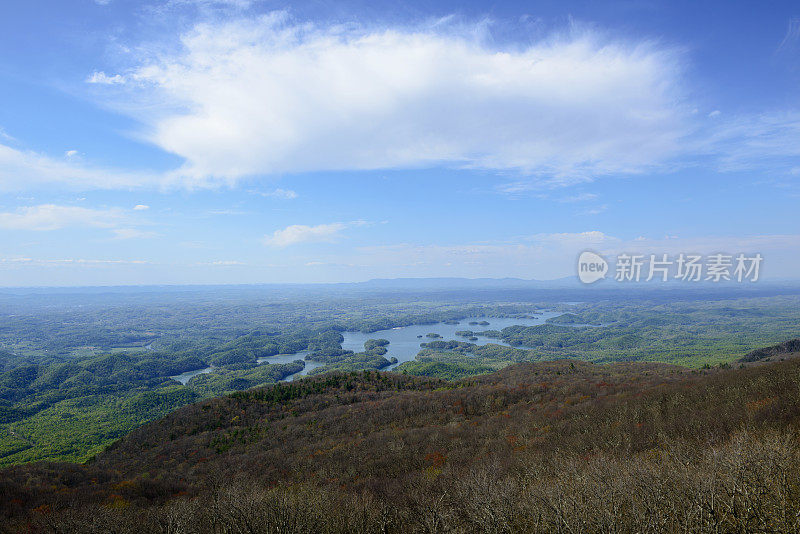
{"points": [[422, 284]]}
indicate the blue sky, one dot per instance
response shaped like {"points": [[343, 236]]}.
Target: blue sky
{"points": [[201, 141]]}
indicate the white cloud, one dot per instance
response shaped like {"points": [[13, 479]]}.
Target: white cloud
{"points": [[792, 36], [4, 135], [227, 212], [545, 256], [25, 170], [285, 194], [268, 96], [758, 141], [141, 207], [671, 244], [235, 4], [567, 239], [71, 153], [100, 77], [52, 217], [595, 211], [262, 96], [300, 233], [132, 233], [224, 263], [581, 197], [70, 261]]}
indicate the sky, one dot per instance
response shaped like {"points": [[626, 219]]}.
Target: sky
{"points": [[247, 141]]}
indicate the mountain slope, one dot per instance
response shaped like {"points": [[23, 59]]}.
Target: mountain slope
{"points": [[533, 447]]}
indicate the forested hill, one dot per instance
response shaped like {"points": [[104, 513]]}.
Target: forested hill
{"points": [[533, 447]]}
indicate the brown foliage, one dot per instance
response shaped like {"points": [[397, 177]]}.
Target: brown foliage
{"points": [[548, 447]]}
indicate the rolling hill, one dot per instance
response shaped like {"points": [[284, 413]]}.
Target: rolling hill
{"points": [[542, 447]]}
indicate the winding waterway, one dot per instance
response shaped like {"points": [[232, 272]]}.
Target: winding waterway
{"points": [[184, 378], [404, 341]]}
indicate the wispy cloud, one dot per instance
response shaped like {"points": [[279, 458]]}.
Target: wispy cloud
{"points": [[25, 170], [581, 197], [133, 233], [223, 263], [227, 211], [765, 141], [102, 78], [236, 4], [284, 194], [595, 210], [53, 217], [543, 255], [4, 135], [69, 261], [300, 233], [792, 36], [553, 255]]}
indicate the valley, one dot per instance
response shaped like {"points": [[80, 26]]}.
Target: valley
{"points": [[60, 403]]}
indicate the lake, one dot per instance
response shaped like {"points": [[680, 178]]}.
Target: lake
{"points": [[183, 378], [404, 341], [289, 358]]}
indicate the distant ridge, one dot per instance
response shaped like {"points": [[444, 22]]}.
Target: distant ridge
{"points": [[438, 283], [455, 282], [787, 347]]}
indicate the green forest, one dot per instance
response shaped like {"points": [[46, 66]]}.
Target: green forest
{"points": [[79, 371], [566, 446]]}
